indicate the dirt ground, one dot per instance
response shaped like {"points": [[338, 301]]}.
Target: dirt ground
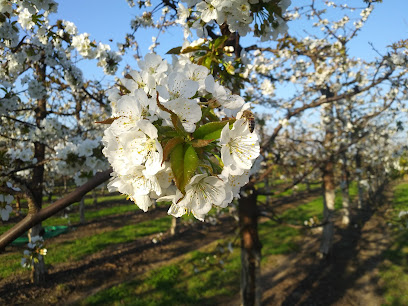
{"points": [[348, 277]]}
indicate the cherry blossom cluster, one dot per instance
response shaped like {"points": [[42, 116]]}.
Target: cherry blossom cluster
{"points": [[5, 206], [237, 14], [6, 200], [178, 135], [39, 61], [34, 253], [80, 159]]}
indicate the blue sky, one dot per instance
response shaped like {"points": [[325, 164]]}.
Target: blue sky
{"points": [[110, 19]]}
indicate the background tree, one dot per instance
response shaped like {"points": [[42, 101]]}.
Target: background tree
{"points": [[42, 95]]}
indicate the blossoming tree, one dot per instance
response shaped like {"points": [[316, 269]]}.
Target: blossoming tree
{"points": [[351, 94], [43, 96]]}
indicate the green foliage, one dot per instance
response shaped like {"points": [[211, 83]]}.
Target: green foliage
{"points": [[170, 145], [206, 131], [190, 163], [184, 162]]}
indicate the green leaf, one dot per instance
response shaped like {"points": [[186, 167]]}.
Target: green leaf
{"points": [[175, 50], [170, 145], [190, 163], [184, 162], [219, 42], [207, 62], [219, 159], [194, 49], [178, 125], [202, 59], [177, 165], [214, 135], [167, 131], [209, 128]]}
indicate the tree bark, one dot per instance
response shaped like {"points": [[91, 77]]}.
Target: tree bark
{"points": [[65, 190], [38, 271], [328, 208], [154, 205], [307, 185], [328, 178], [345, 191], [174, 226], [360, 200], [18, 206], [37, 181], [251, 293]]}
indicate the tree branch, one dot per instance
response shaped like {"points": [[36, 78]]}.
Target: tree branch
{"points": [[32, 219]]}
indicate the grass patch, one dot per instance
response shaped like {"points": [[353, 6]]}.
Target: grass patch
{"points": [[315, 207], [77, 249], [277, 239], [92, 215], [198, 278], [11, 264], [394, 271], [177, 284]]}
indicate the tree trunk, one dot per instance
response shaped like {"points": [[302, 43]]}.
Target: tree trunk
{"points": [[37, 181], [345, 192], [328, 178], [360, 192], [38, 271], [250, 251], [65, 190], [328, 209], [82, 210], [251, 293], [308, 185], [18, 206], [360, 199], [154, 205], [174, 226], [345, 203]]}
